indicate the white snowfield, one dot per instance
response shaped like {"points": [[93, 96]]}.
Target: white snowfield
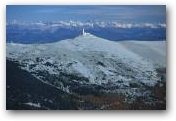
{"points": [[152, 51], [99, 60]]}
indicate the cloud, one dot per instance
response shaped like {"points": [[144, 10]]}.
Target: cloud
{"points": [[102, 24]]}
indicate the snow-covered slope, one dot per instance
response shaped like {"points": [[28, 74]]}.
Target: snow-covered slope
{"points": [[88, 60], [152, 51]]}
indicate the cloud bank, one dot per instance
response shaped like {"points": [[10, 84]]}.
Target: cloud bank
{"points": [[88, 24]]}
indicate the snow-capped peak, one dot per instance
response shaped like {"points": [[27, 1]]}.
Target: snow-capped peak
{"points": [[99, 60]]}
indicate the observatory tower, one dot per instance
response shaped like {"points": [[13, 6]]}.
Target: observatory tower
{"points": [[83, 33]]}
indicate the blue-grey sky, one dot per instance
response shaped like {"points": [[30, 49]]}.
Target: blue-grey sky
{"points": [[121, 13]]}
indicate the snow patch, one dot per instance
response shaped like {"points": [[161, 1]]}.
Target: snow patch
{"points": [[33, 104]]}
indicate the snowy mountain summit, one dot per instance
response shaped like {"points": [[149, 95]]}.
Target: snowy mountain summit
{"points": [[88, 60]]}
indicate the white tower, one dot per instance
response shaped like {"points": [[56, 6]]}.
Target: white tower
{"points": [[83, 33]]}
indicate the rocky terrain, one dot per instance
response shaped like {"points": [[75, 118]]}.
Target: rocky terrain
{"points": [[87, 73]]}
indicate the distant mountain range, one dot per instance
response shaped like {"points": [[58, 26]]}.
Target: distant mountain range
{"points": [[44, 32]]}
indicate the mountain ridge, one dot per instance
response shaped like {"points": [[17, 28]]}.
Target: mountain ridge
{"points": [[89, 65], [76, 48]]}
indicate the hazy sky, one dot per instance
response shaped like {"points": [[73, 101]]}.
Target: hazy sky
{"points": [[150, 13]]}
